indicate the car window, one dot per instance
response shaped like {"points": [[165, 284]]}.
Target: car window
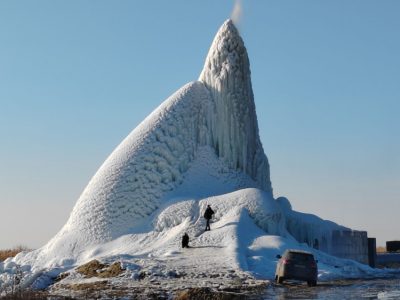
{"points": [[300, 256]]}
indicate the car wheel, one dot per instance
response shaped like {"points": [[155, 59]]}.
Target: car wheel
{"points": [[276, 278], [314, 283], [311, 283], [280, 280]]}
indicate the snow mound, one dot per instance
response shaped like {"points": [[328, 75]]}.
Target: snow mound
{"points": [[217, 112]]}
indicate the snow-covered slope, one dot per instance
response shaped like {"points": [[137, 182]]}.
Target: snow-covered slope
{"points": [[148, 163]]}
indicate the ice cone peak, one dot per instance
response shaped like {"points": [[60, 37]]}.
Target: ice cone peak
{"points": [[226, 52], [227, 30], [226, 74]]}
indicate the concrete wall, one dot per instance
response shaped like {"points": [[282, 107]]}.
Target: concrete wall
{"points": [[383, 258], [327, 236], [372, 252], [350, 244]]}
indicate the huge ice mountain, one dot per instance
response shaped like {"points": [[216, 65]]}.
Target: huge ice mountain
{"points": [[216, 112], [199, 147]]}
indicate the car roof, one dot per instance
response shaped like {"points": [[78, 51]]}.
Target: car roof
{"points": [[298, 251]]}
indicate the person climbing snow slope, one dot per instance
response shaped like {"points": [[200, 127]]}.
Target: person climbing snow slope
{"points": [[185, 241], [208, 215]]}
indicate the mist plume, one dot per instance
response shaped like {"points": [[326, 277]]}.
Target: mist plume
{"points": [[237, 12]]}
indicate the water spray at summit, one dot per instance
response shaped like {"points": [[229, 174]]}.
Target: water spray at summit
{"points": [[237, 12]]}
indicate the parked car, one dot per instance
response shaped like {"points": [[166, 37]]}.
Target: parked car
{"points": [[298, 265]]}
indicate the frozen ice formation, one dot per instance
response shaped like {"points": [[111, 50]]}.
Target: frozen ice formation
{"points": [[217, 112], [200, 146], [234, 127], [307, 228]]}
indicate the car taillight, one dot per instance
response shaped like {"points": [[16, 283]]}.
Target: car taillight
{"points": [[313, 264]]}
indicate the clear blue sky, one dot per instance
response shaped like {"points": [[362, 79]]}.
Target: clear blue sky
{"points": [[77, 76]]}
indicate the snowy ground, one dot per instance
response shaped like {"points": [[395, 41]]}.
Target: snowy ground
{"points": [[239, 251]]}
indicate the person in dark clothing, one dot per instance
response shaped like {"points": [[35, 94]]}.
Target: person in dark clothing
{"points": [[185, 241], [208, 215]]}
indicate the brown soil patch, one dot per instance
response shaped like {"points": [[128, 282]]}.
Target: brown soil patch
{"points": [[61, 276], [206, 294], [95, 268], [32, 295], [112, 271], [92, 286], [91, 268]]}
